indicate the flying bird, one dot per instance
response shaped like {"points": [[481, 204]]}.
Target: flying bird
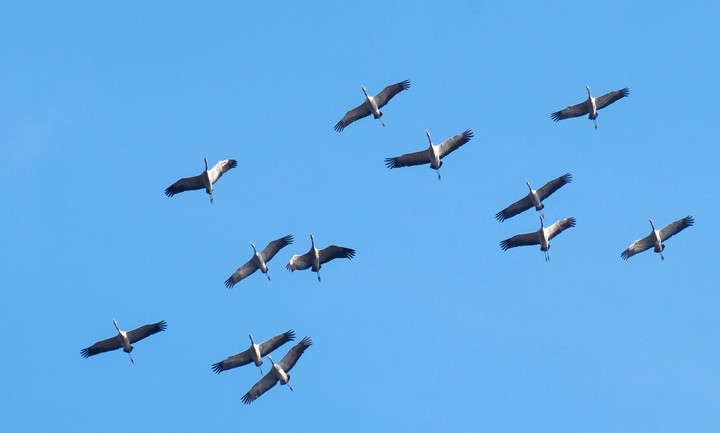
{"points": [[315, 258], [372, 105], [590, 106], [541, 237], [656, 238], [258, 260], [206, 179], [279, 372], [123, 339], [254, 354], [432, 155], [534, 198]]}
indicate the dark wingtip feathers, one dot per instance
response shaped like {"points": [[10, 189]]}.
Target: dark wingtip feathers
{"points": [[339, 126], [624, 92], [555, 116], [505, 244], [625, 255], [306, 341], [468, 134], [500, 216], [290, 335], [169, 191], [217, 367], [571, 222], [349, 253], [567, 177], [162, 325], [405, 84], [689, 220], [390, 162], [85, 352], [229, 283]]}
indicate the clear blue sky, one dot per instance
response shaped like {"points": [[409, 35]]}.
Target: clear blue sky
{"points": [[432, 327]]}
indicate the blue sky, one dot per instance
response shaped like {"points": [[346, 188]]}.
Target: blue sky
{"points": [[431, 326]]}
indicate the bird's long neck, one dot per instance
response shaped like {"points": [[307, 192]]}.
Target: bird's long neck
{"points": [[652, 225], [542, 221], [116, 325], [528, 185], [428, 136], [206, 164], [588, 90]]}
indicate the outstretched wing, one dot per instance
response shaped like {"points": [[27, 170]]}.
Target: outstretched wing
{"points": [[408, 159], [138, 334], [221, 168], [553, 186], [300, 262], [237, 360], [185, 184], [289, 360], [351, 116], [520, 240], [273, 247], [559, 226], [264, 384], [334, 252], [519, 206], [112, 343], [270, 345], [576, 110], [242, 272], [453, 143], [383, 97], [610, 97], [674, 228], [638, 246]]}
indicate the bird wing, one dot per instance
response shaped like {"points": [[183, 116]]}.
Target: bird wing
{"points": [[290, 358], [674, 228], [576, 110], [453, 143], [138, 334], [408, 159], [335, 252], [273, 247], [610, 97], [237, 360], [107, 345], [553, 186], [383, 97], [264, 384], [638, 246], [300, 262], [221, 168], [520, 240], [356, 113], [270, 345], [242, 272], [519, 206], [185, 184], [559, 226]]}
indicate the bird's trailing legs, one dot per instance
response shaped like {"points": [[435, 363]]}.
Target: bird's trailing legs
{"points": [[131, 358]]}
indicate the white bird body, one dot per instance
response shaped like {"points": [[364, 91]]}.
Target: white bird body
{"points": [[315, 258], [278, 372], [534, 198], [541, 237], [590, 106], [432, 154], [254, 353], [258, 260], [205, 180], [372, 105], [656, 238], [123, 339]]}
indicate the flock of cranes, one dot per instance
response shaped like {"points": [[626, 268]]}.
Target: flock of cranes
{"points": [[315, 258]]}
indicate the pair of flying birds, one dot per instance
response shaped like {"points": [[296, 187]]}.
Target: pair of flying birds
{"points": [[278, 372], [313, 259]]}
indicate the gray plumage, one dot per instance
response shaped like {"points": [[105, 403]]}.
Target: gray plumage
{"points": [[590, 106], [247, 356], [205, 180], [534, 198], [432, 154], [372, 105], [541, 237], [315, 258], [656, 238], [258, 260], [124, 339]]}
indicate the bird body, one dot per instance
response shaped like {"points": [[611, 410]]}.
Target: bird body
{"points": [[656, 238], [534, 198], [315, 258], [254, 353], [258, 260], [432, 154], [372, 105], [541, 237], [205, 180], [590, 106], [278, 372], [123, 340]]}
